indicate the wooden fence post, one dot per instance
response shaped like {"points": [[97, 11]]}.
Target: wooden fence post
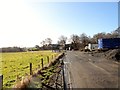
{"points": [[42, 62], [1, 82], [48, 59], [30, 68], [38, 66], [52, 56]]}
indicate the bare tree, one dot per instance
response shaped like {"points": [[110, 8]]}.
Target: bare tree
{"points": [[62, 40], [48, 41], [37, 47], [75, 38], [75, 41], [116, 33], [108, 35], [84, 39], [118, 30], [43, 43], [98, 36]]}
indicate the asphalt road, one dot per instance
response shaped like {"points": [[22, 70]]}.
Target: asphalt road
{"points": [[82, 70]]}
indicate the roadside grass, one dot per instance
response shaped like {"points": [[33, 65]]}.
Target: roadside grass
{"points": [[45, 77], [15, 65]]}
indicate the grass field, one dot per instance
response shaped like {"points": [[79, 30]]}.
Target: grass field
{"points": [[17, 64]]}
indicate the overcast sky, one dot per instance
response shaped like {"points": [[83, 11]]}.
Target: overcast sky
{"points": [[26, 23]]}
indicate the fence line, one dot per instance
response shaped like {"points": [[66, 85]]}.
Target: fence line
{"points": [[31, 71], [42, 64]]}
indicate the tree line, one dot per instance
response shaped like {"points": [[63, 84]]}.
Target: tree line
{"points": [[12, 49], [80, 41], [75, 41]]}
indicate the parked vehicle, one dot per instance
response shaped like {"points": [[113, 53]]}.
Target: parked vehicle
{"points": [[92, 47], [109, 43]]}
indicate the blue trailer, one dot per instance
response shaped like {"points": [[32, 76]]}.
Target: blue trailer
{"points": [[109, 43]]}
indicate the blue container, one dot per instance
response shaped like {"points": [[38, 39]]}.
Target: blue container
{"points": [[109, 43]]}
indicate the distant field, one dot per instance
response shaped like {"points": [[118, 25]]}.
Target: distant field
{"points": [[14, 64]]}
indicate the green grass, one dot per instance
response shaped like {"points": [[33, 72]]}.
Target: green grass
{"points": [[14, 64]]}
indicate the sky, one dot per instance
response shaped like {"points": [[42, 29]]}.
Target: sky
{"points": [[25, 23]]}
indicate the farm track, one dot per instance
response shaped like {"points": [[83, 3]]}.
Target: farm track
{"points": [[86, 71]]}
